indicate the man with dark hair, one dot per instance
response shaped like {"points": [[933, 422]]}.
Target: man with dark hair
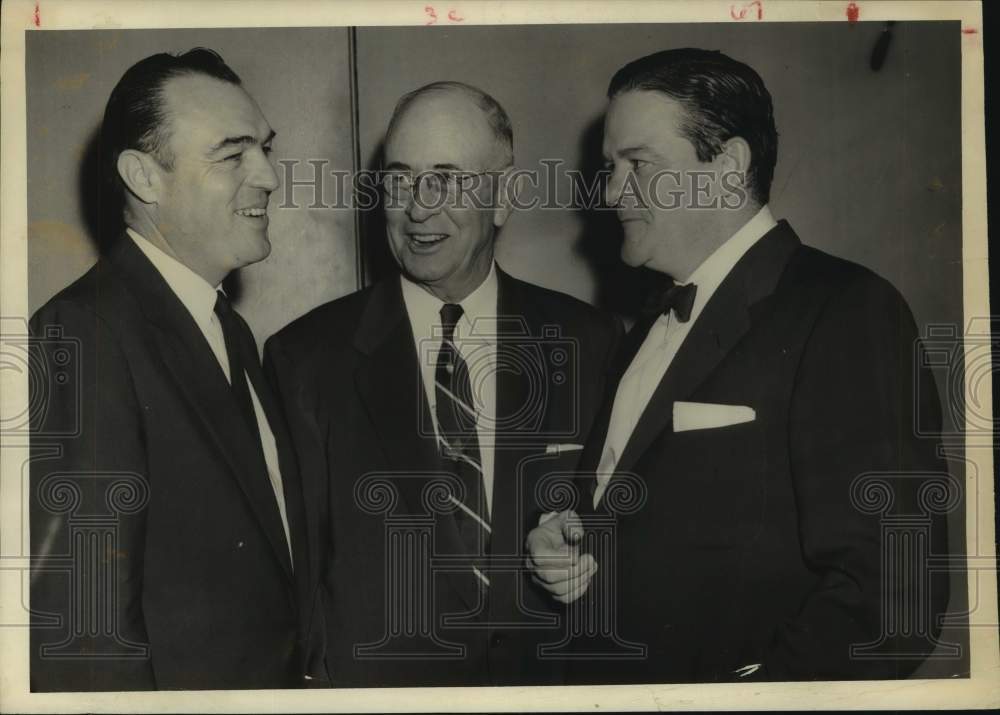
{"points": [[768, 391], [167, 524], [426, 410]]}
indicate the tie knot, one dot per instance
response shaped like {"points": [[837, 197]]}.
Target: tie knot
{"points": [[451, 313], [223, 308], [678, 298]]}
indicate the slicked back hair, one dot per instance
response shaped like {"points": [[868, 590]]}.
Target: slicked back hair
{"points": [[136, 116], [495, 114], [722, 98]]}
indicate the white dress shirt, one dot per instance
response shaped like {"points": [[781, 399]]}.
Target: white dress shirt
{"points": [[663, 341], [476, 340], [199, 299]]}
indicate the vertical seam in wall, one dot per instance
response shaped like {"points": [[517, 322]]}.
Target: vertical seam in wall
{"points": [[360, 279]]}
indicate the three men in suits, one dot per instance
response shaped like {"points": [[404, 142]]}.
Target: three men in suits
{"points": [[427, 409], [167, 524], [761, 412]]}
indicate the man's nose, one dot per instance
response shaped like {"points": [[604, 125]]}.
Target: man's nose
{"points": [[263, 175], [613, 190], [423, 204]]}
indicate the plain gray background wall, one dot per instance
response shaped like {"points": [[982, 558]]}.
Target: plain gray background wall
{"points": [[301, 80]]}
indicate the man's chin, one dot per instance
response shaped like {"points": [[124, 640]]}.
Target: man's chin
{"points": [[631, 259], [258, 250]]}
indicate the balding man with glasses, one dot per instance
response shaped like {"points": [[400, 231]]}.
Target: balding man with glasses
{"points": [[428, 410]]}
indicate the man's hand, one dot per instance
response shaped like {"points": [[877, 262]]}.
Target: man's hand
{"points": [[554, 557]]}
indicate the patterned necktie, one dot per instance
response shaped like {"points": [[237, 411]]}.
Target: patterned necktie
{"points": [[458, 440]]}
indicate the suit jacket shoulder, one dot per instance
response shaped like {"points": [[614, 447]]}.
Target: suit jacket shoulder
{"points": [[330, 324], [99, 293], [573, 314], [835, 279]]}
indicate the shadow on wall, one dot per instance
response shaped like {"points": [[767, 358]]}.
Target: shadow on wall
{"points": [[378, 260], [101, 208]]}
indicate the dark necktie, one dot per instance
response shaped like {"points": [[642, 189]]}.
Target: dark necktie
{"points": [[245, 370], [676, 297], [236, 349], [459, 443]]}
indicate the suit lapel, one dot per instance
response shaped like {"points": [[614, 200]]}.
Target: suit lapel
{"points": [[516, 414], [189, 360], [591, 457], [290, 478], [521, 412], [726, 318], [390, 385]]}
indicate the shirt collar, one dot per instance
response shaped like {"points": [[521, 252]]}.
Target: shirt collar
{"points": [[193, 291], [478, 309], [714, 269]]}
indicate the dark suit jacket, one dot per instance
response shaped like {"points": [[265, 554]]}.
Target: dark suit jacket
{"points": [[145, 490], [754, 543], [349, 379]]}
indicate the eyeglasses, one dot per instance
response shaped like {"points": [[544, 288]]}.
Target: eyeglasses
{"points": [[400, 185]]}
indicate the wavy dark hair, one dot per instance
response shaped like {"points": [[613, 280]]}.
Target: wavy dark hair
{"points": [[723, 99]]}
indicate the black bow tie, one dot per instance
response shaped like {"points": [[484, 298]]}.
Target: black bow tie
{"points": [[678, 298]]}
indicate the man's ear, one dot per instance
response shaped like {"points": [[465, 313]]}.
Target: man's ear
{"points": [[735, 158], [141, 174], [510, 185]]}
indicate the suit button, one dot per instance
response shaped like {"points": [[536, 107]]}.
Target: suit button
{"points": [[497, 640]]}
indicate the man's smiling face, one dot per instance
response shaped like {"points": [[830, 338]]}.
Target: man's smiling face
{"points": [[444, 244], [212, 205]]}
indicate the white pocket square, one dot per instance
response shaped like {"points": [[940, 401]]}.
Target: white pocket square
{"points": [[706, 415]]}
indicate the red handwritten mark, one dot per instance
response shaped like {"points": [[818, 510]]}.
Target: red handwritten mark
{"points": [[741, 13], [853, 11], [433, 15], [453, 16], [38, 16], [969, 31]]}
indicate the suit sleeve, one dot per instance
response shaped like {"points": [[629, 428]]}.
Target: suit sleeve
{"points": [[857, 398], [88, 494]]}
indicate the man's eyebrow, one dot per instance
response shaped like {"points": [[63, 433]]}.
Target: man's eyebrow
{"points": [[242, 140], [630, 151], [400, 166], [633, 150]]}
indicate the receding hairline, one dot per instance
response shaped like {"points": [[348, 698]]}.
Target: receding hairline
{"points": [[496, 119], [169, 100]]}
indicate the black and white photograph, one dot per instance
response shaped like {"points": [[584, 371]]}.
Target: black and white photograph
{"points": [[458, 356]]}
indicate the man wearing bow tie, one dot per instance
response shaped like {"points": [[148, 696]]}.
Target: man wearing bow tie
{"points": [[167, 524], [766, 384], [454, 388]]}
